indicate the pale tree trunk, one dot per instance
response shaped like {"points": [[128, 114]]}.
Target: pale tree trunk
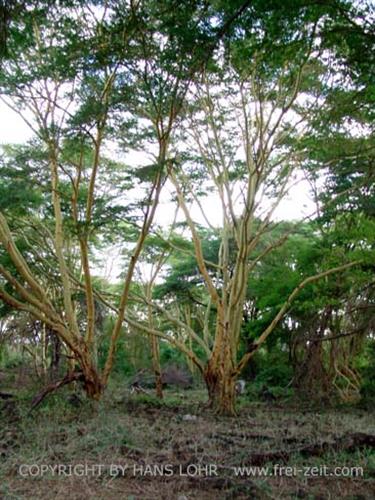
{"points": [[220, 383], [155, 351], [154, 341], [220, 373], [187, 312], [91, 379]]}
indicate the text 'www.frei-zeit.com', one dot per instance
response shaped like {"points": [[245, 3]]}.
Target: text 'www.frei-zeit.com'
{"points": [[293, 471]]}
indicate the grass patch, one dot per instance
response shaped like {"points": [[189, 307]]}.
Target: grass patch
{"points": [[137, 429]]}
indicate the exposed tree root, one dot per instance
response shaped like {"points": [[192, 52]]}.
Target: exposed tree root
{"points": [[68, 379]]}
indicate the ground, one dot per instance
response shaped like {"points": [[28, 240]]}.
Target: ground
{"points": [[134, 447]]}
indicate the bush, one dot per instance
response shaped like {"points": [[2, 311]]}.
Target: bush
{"points": [[274, 370], [10, 358]]}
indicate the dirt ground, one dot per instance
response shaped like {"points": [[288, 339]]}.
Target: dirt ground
{"points": [[134, 447]]}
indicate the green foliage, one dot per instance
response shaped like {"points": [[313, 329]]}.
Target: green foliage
{"points": [[273, 369], [10, 357], [22, 183], [126, 361], [106, 80], [171, 356]]}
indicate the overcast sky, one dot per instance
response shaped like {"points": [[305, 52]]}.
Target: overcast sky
{"points": [[12, 128]]}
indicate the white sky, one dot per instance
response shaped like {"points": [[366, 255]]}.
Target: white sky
{"points": [[12, 128]]}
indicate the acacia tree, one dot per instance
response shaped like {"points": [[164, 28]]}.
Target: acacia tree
{"points": [[156, 254], [243, 141], [82, 75], [67, 102], [342, 141]]}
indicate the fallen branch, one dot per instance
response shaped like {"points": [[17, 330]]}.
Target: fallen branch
{"points": [[68, 379]]}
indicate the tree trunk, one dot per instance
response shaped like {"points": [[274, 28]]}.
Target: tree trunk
{"points": [[311, 377], [86, 374], [92, 382], [93, 385], [156, 366], [154, 343], [55, 354], [220, 380], [55, 350]]}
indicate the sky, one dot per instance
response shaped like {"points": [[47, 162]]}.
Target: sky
{"points": [[12, 128]]}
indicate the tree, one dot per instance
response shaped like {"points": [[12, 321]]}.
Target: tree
{"points": [[88, 73], [243, 140], [326, 329]]}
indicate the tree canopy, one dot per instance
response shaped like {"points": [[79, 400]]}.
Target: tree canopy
{"points": [[136, 105]]}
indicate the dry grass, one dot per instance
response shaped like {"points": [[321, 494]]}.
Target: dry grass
{"points": [[137, 430]]}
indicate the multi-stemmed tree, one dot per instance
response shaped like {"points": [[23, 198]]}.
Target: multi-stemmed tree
{"points": [[84, 75], [244, 136], [224, 99]]}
